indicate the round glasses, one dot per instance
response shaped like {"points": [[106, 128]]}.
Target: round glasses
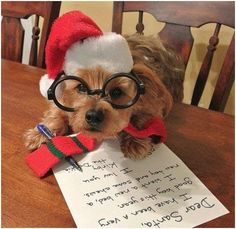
{"points": [[121, 90]]}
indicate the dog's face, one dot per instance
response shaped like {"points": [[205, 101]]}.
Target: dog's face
{"points": [[96, 117]]}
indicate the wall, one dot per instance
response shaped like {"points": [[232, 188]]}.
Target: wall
{"points": [[27, 24], [101, 12]]}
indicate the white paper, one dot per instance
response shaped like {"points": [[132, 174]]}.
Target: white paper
{"points": [[113, 191]]}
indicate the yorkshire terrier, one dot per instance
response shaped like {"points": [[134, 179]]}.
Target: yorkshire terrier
{"points": [[162, 73]]}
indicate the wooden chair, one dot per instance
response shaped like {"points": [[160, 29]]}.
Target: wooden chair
{"points": [[13, 32], [179, 18]]}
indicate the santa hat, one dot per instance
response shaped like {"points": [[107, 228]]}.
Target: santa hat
{"points": [[77, 42]]}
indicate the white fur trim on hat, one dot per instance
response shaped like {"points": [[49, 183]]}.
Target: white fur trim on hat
{"points": [[110, 51]]}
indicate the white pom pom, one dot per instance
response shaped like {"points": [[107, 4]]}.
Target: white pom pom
{"points": [[44, 84]]}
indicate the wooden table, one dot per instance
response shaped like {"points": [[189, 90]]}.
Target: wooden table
{"points": [[203, 139]]}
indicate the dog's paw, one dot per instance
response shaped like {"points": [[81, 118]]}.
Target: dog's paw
{"points": [[135, 148], [33, 139]]}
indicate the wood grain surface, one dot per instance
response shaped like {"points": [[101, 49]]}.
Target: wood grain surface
{"points": [[203, 139]]}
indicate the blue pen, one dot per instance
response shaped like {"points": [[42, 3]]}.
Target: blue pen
{"points": [[48, 134]]}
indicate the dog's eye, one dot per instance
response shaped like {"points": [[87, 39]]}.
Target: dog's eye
{"points": [[116, 93], [81, 88]]}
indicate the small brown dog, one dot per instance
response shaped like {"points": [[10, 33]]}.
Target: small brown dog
{"points": [[162, 74]]}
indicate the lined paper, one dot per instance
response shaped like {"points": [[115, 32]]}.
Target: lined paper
{"points": [[113, 191]]}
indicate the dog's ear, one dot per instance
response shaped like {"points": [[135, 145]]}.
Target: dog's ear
{"points": [[157, 101]]}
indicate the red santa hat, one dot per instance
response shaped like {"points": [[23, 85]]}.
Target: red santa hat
{"points": [[77, 42]]}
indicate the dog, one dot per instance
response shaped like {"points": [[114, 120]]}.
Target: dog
{"points": [[159, 68]]}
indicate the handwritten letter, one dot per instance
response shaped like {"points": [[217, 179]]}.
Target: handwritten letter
{"points": [[113, 191]]}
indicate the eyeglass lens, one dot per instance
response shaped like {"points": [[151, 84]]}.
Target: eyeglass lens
{"points": [[120, 91]]}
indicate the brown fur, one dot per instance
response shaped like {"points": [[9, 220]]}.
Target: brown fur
{"points": [[156, 55], [157, 101]]}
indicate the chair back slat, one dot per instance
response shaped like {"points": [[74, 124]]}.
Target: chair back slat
{"points": [[51, 13], [16, 10], [179, 18], [206, 66], [225, 80], [12, 43], [117, 17], [140, 25], [34, 46]]}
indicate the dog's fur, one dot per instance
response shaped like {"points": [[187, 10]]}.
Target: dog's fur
{"points": [[162, 73]]}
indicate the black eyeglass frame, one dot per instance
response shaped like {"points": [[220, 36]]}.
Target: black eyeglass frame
{"points": [[132, 75]]}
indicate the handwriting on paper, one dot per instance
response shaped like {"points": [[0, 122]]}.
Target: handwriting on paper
{"points": [[159, 191], [152, 180]]}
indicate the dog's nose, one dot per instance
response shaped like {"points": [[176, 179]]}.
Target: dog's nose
{"points": [[94, 117]]}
